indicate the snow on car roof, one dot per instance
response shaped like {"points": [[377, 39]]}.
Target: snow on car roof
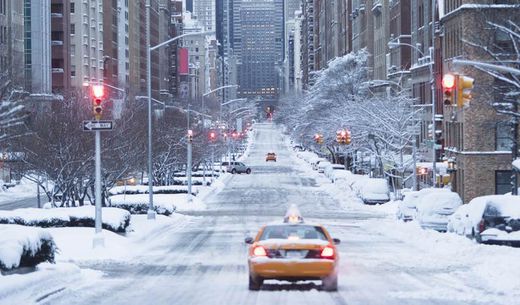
{"points": [[507, 205]]}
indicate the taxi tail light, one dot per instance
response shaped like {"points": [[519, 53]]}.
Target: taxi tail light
{"points": [[327, 252], [259, 251]]}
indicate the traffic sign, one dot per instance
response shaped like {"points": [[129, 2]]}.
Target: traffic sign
{"points": [[97, 125]]}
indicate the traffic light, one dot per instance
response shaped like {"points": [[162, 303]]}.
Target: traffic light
{"points": [[212, 136], [347, 139], [448, 88], [464, 86], [340, 136], [190, 135], [98, 92], [318, 138]]}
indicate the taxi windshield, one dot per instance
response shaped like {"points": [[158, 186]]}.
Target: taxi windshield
{"points": [[293, 232]]}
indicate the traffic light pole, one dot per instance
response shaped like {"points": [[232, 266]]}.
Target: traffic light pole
{"points": [[98, 238], [514, 149]]}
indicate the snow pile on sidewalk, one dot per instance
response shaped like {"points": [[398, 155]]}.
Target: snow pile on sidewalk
{"points": [[164, 204], [143, 189], [114, 219], [25, 189], [24, 247]]}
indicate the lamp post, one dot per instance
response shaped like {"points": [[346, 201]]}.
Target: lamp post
{"points": [[149, 49], [393, 44], [215, 90]]}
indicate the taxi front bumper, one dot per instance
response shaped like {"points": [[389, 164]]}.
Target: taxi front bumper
{"points": [[301, 269]]}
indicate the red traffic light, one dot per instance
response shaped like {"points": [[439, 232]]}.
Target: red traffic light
{"points": [[212, 135], [448, 81], [98, 91]]}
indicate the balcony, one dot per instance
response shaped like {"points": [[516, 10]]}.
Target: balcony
{"points": [[57, 70], [56, 43], [56, 15]]}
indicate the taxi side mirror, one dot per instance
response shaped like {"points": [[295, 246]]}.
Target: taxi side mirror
{"points": [[336, 241], [248, 240]]}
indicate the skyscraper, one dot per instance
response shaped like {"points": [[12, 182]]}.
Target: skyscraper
{"points": [[205, 13], [259, 44]]}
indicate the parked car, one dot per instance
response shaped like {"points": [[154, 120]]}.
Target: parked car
{"points": [[374, 191], [335, 171], [406, 208], [271, 156], [315, 161], [434, 208], [237, 168], [493, 219], [322, 165]]}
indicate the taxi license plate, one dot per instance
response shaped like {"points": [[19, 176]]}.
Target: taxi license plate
{"points": [[294, 254]]}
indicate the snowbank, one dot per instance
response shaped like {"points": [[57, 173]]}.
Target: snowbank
{"points": [[138, 204], [113, 219], [25, 189], [24, 247], [143, 189]]}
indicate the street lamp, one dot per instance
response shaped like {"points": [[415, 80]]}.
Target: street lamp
{"points": [[393, 44], [215, 90], [149, 49]]}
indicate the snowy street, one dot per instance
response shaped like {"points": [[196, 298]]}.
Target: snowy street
{"points": [[204, 261]]}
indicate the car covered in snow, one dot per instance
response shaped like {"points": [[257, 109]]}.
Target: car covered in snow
{"points": [[373, 190], [336, 171], [493, 219], [434, 208], [322, 165], [316, 161], [406, 208], [293, 250]]}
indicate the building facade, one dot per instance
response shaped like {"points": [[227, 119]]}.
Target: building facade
{"points": [[482, 166], [12, 40]]}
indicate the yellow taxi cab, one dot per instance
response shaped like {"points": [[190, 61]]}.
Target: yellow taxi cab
{"points": [[293, 250], [270, 157]]}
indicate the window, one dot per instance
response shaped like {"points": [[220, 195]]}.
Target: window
{"points": [[72, 8], [72, 29], [502, 182], [72, 70], [503, 137]]}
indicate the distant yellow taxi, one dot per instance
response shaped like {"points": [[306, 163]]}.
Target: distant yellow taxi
{"points": [[293, 251], [270, 157]]}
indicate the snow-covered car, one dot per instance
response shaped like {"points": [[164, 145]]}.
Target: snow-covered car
{"points": [[322, 165], [406, 208], [316, 161], [374, 191], [493, 219], [434, 208], [459, 221], [293, 250], [334, 171]]}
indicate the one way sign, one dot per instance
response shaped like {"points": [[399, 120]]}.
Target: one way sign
{"points": [[97, 125]]}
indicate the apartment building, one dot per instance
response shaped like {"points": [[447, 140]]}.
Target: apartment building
{"points": [[476, 137]]}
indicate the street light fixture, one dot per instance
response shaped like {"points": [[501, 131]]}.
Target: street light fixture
{"points": [[149, 49], [393, 44]]}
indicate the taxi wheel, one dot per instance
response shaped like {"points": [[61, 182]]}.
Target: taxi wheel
{"points": [[255, 283], [330, 283]]}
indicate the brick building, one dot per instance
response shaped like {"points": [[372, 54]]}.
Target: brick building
{"points": [[476, 137]]}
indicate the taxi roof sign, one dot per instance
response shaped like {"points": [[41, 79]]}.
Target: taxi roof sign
{"points": [[293, 215]]}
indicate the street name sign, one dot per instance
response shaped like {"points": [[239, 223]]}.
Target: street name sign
{"points": [[97, 125]]}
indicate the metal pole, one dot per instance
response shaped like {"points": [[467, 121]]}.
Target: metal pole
{"points": [[212, 163], [38, 193], [188, 163], [432, 82], [98, 238], [514, 150], [188, 170], [414, 155], [151, 213]]}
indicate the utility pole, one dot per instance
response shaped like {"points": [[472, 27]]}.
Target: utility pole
{"points": [[514, 148], [189, 137], [432, 84]]}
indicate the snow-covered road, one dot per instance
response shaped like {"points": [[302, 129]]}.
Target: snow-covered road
{"points": [[204, 263]]}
